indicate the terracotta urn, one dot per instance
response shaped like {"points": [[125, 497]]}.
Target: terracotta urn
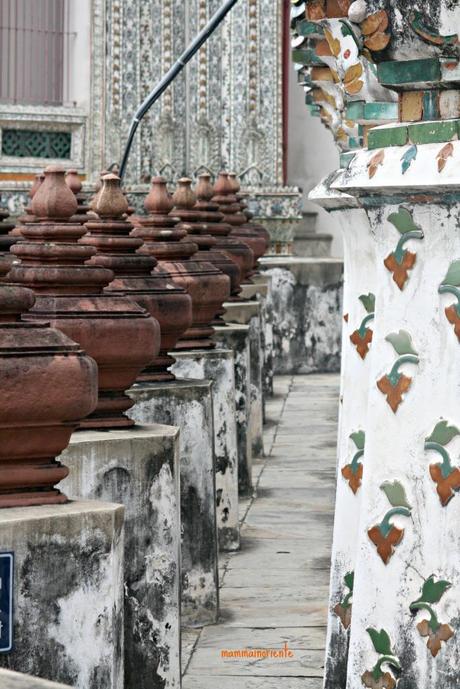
{"points": [[6, 240], [170, 244], [243, 229], [117, 250], [187, 210], [48, 385], [73, 181], [250, 223], [230, 209], [218, 231], [28, 215], [120, 335]]}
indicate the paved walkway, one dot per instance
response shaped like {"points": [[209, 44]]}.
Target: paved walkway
{"points": [[275, 590]]}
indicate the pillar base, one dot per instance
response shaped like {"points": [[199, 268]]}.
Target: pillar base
{"points": [[16, 680], [307, 313], [218, 366], [188, 405], [68, 592], [139, 469], [250, 313], [236, 338]]}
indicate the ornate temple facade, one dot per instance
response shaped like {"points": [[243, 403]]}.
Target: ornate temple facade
{"points": [[225, 110]]}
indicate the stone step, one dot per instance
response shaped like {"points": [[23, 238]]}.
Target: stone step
{"points": [[313, 246]]}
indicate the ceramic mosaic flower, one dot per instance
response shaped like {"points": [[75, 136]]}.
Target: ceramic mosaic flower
{"points": [[401, 261], [353, 472], [395, 384], [362, 337], [385, 681], [377, 678], [373, 29], [451, 285], [385, 535], [375, 162], [432, 629], [446, 477], [344, 608]]}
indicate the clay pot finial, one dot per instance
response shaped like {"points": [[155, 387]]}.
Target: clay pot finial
{"points": [[234, 181], [110, 202], [223, 184], [183, 197], [36, 185], [158, 201], [73, 181], [204, 189], [53, 199]]}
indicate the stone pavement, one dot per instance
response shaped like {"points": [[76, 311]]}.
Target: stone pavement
{"points": [[275, 590]]}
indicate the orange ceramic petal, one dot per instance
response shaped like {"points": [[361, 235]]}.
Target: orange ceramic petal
{"points": [[452, 317], [362, 343], [344, 614], [400, 271]]}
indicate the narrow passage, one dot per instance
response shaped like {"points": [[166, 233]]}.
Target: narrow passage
{"points": [[275, 590]]}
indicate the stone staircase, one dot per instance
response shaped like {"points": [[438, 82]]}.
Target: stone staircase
{"points": [[307, 242]]}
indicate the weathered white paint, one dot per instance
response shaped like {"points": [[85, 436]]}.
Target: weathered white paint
{"points": [[359, 279], [188, 405], [218, 365], [139, 468], [69, 588], [395, 442]]}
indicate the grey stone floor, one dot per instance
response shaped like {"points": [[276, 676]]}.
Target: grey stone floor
{"points": [[275, 590]]}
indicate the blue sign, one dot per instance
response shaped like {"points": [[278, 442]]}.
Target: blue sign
{"points": [[6, 601]]}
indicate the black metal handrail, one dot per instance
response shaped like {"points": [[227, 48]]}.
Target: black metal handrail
{"points": [[178, 66]]}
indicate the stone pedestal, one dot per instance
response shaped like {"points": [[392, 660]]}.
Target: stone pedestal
{"points": [[250, 313], [218, 365], [16, 680], [188, 405], [68, 592], [307, 317], [236, 337], [262, 290], [139, 468]]}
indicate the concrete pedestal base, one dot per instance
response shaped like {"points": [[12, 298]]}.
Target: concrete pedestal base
{"points": [[307, 318], [236, 338], [139, 468], [188, 405], [250, 313], [218, 365], [68, 592], [261, 290], [16, 680]]}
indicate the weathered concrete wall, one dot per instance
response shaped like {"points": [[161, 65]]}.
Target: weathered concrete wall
{"points": [[188, 405], [307, 318], [16, 680], [250, 313], [218, 365], [236, 337], [140, 469], [261, 291], [68, 592]]}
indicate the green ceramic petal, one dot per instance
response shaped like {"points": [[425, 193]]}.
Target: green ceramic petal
{"points": [[396, 494], [453, 275], [403, 221], [443, 433], [359, 439], [402, 342]]}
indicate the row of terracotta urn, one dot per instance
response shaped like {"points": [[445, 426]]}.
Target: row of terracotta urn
{"points": [[94, 298]]}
